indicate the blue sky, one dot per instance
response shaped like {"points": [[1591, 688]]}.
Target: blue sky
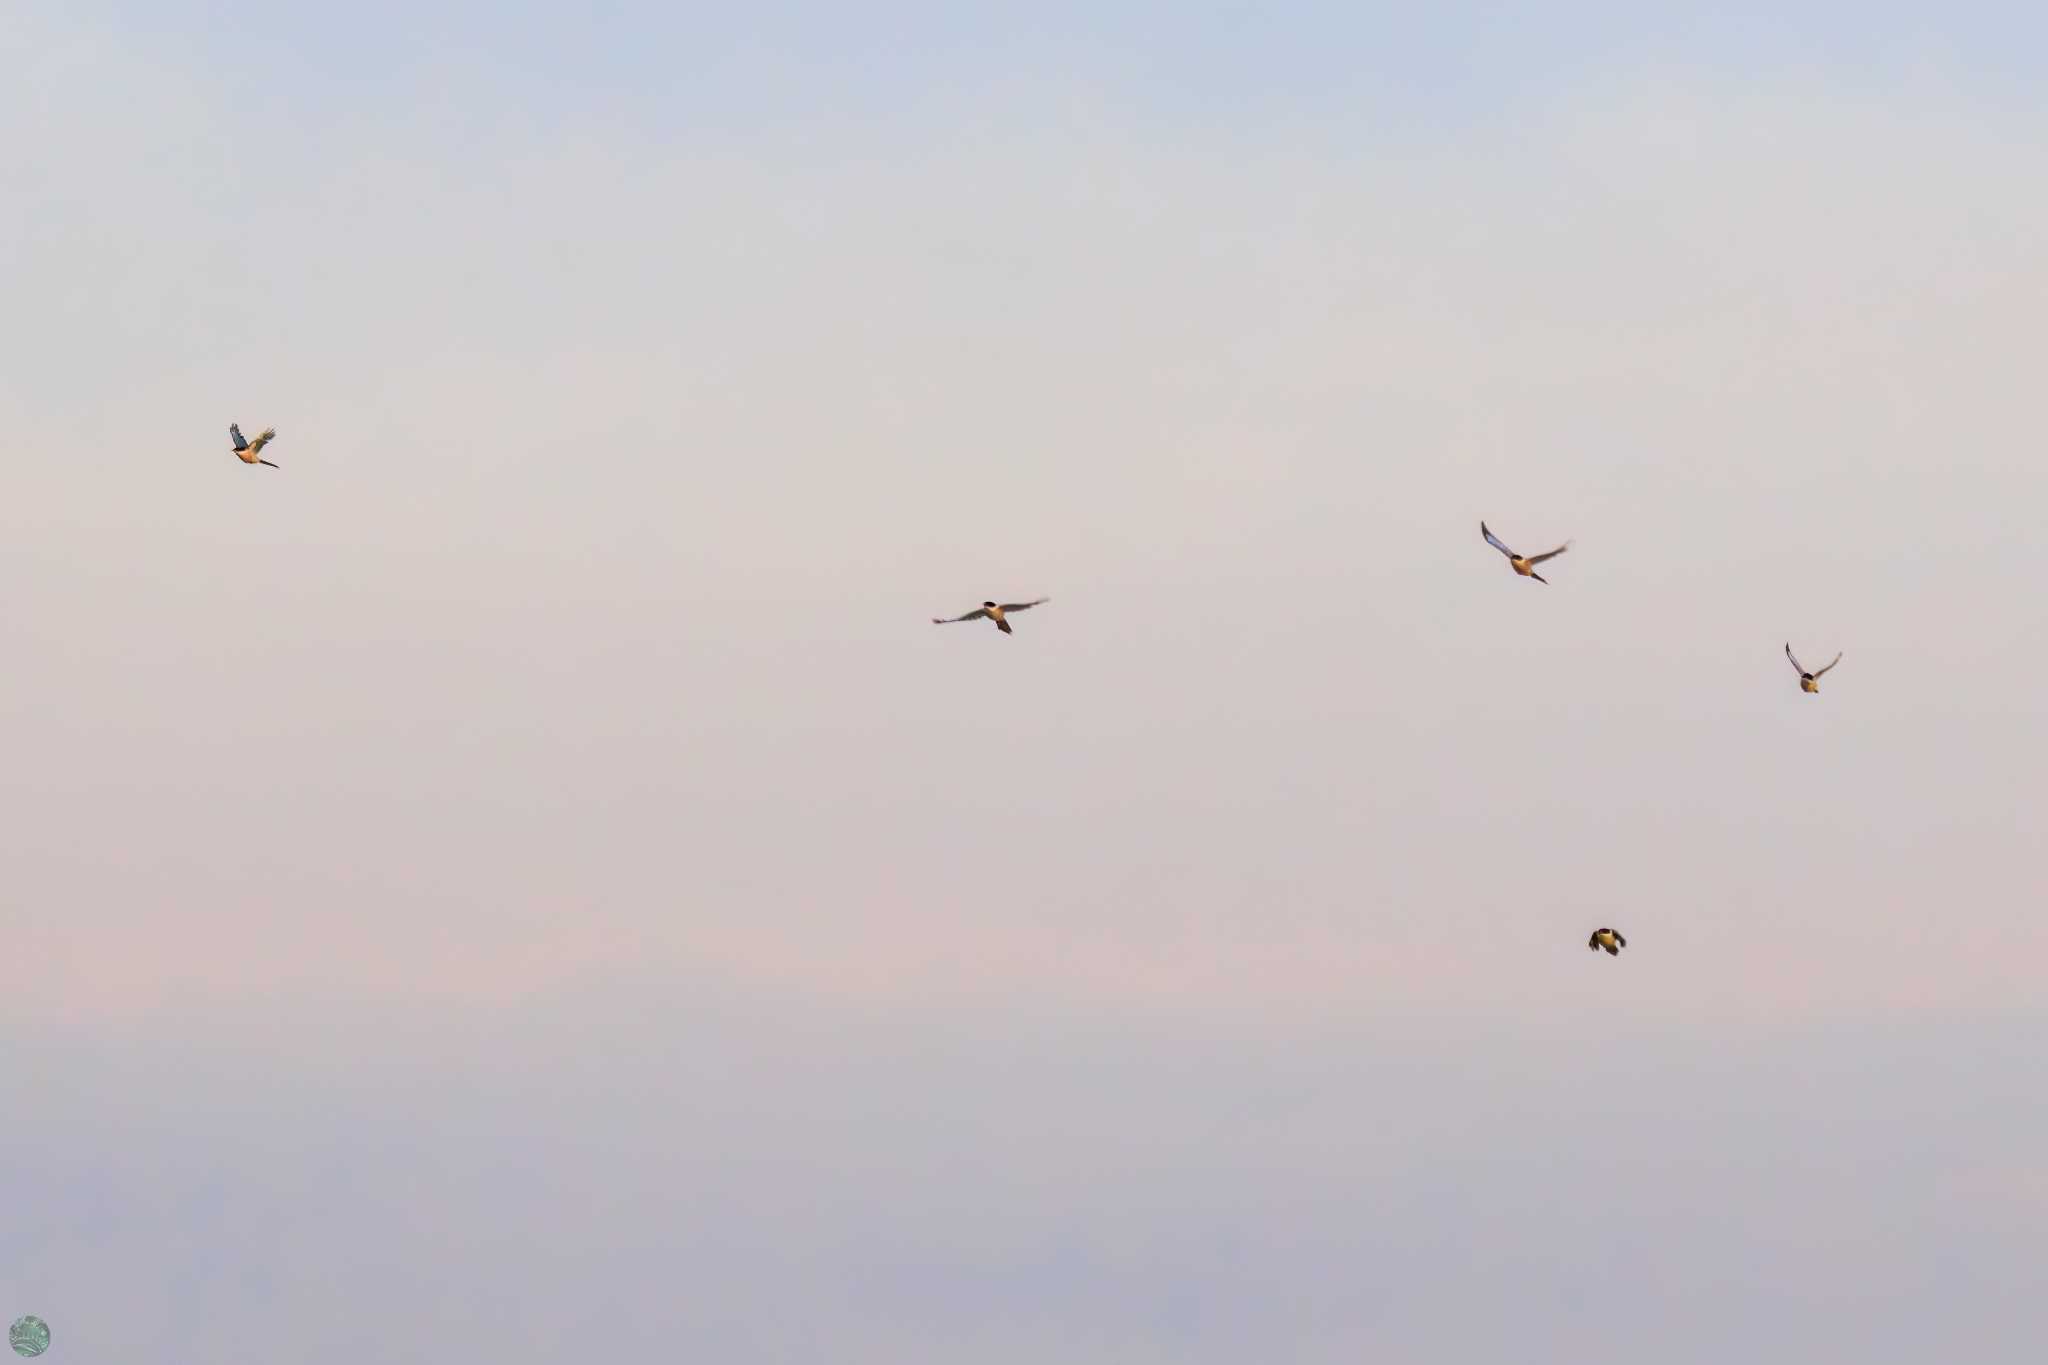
{"points": [[675, 67], [527, 868]]}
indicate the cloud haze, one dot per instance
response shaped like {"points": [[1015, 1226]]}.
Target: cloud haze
{"points": [[524, 878]]}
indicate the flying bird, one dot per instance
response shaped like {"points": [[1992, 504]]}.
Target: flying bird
{"points": [[1608, 939], [995, 612], [1525, 565], [1809, 682], [247, 451]]}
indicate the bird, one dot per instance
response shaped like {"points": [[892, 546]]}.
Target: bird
{"points": [[247, 451], [1809, 682], [1608, 939], [1525, 565], [995, 612]]}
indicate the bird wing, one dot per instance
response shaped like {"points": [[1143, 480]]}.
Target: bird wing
{"points": [[1619, 940], [1538, 559], [974, 615], [263, 438], [1831, 663], [1025, 606], [235, 430], [1594, 941], [1494, 541], [1794, 658]]}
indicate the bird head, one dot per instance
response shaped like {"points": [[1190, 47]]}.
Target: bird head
{"points": [[986, 605]]}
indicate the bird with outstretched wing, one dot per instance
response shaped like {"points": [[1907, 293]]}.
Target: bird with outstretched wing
{"points": [[1525, 565], [250, 452], [994, 611], [1809, 682]]}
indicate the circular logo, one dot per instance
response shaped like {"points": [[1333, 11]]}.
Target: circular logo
{"points": [[29, 1336]]}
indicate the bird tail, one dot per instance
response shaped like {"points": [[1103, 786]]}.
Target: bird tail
{"points": [[1003, 626], [267, 462], [1539, 578]]}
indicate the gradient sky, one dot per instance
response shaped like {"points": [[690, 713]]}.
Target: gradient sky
{"points": [[523, 881]]}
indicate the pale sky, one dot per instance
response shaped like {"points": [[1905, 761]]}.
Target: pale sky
{"points": [[525, 881]]}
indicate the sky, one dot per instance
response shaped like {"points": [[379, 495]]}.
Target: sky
{"points": [[524, 878]]}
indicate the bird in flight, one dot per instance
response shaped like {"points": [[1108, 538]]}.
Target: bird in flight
{"points": [[994, 611], [1809, 682], [1525, 565], [247, 451], [1608, 939]]}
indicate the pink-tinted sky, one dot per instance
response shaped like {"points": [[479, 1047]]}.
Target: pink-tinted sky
{"points": [[524, 878]]}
